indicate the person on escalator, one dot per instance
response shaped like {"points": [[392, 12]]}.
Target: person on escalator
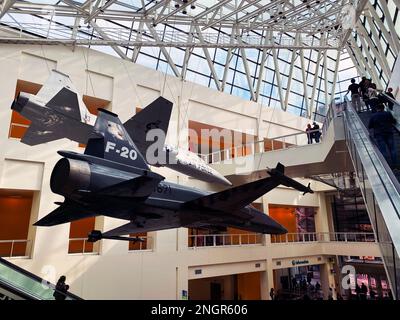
{"points": [[364, 85], [61, 289], [390, 94], [382, 125], [354, 88], [373, 97]]}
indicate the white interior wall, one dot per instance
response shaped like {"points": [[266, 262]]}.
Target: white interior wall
{"points": [[117, 273]]}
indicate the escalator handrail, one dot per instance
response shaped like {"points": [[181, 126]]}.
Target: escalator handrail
{"points": [[37, 278], [395, 111], [395, 236], [18, 292], [381, 158], [390, 99]]}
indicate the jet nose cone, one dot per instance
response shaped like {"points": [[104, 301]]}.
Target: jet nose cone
{"points": [[219, 178], [225, 181]]}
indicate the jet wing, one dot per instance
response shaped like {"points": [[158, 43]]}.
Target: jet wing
{"points": [[269, 225], [155, 116], [37, 135], [148, 226], [66, 212], [237, 197]]}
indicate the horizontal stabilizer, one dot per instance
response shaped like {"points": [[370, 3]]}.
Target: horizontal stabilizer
{"points": [[66, 212], [278, 174]]}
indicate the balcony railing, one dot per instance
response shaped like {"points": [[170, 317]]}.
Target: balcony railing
{"points": [[323, 237], [145, 245], [82, 246], [15, 248], [221, 240], [277, 143], [224, 240]]}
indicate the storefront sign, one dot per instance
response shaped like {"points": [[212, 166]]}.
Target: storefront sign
{"points": [[296, 262]]}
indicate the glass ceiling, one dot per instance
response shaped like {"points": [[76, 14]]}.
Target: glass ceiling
{"points": [[291, 54]]}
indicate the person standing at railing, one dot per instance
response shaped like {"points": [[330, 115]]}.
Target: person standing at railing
{"points": [[316, 133], [309, 134], [382, 125], [354, 88]]}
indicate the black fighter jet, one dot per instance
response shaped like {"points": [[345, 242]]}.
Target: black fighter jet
{"points": [[113, 179]]}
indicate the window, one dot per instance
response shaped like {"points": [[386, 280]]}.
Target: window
{"points": [[19, 124], [139, 245], [15, 217], [78, 234]]}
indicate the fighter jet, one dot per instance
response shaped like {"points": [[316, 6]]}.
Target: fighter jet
{"points": [[58, 111], [113, 179]]}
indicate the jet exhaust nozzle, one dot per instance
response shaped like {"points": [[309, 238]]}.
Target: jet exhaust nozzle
{"points": [[69, 175], [72, 176]]}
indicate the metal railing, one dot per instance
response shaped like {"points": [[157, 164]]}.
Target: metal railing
{"points": [[323, 237], [15, 248], [122, 36], [82, 246], [28, 285], [223, 240], [395, 110], [277, 143], [145, 245], [296, 139]]}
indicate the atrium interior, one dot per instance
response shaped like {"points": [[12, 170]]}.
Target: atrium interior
{"points": [[250, 85]]}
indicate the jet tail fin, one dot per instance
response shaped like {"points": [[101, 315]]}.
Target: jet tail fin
{"points": [[155, 116], [111, 141]]}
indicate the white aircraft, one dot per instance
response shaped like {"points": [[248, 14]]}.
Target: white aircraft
{"points": [[58, 111]]}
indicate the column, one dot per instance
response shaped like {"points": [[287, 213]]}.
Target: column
{"points": [[182, 283], [267, 280], [327, 280]]}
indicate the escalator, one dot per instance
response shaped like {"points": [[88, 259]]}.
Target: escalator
{"points": [[366, 116], [19, 284], [380, 189]]}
